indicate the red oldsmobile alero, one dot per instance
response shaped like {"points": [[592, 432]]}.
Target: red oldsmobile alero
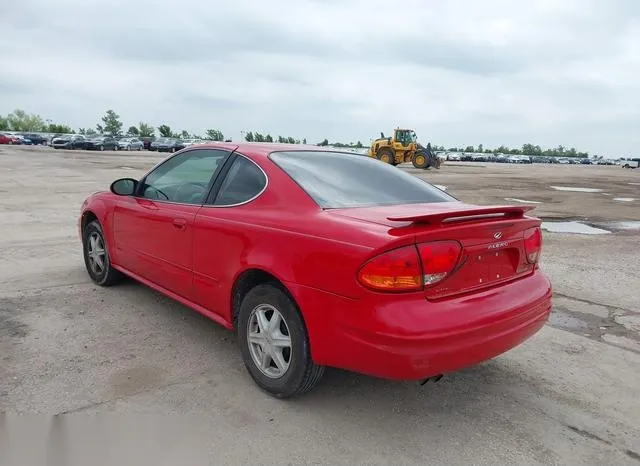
{"points": [[316, 258]]}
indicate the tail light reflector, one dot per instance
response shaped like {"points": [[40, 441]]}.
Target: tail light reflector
{"points": [[410, 268], [533, 244], [438, 260]]}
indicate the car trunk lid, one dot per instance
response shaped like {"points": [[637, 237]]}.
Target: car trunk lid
{"points": [[492, 239]]}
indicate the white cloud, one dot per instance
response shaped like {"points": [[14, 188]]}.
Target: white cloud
{"points": [[460, 72]]}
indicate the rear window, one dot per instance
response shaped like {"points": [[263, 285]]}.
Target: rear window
{"points": [[337, 179]]}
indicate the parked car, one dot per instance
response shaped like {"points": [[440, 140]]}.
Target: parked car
{"points": [[130, 144], [191, 142], [5, 139], [153, 146], [170, 145], [14, 139], [35, 138], [631, 163], [299, 251], [102, 143], [146, 140], [72, 141]]}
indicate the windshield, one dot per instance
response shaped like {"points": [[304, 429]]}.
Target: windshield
{"points": [[342, 179]]}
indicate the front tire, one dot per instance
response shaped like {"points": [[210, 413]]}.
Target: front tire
{"points": [[274, 343], [420, 161], [387, 155], [96, 256]]}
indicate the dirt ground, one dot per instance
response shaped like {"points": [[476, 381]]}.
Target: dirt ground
{"points": [[492, 183], [567, 396]]}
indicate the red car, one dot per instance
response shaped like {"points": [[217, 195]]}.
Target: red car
{"points": [[321, 258], [7, 139]]}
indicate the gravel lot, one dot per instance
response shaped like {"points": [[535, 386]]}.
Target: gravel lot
{"points": [[567, 396]]}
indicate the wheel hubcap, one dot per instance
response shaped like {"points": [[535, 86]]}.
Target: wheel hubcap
{"points": [[96, 253], [269, 341]]}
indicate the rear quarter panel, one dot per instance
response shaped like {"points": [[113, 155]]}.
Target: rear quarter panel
{"points": [[317, 253]]}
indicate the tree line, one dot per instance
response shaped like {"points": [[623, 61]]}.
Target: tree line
{"points": [[111, 123]]}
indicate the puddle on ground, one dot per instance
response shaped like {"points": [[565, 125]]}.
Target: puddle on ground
{"points": [[127, 168], [439, 186], [515, 199], [572, 227], [566, 321], [576, 189], [629, 225], [624, 199], [635, 184]]}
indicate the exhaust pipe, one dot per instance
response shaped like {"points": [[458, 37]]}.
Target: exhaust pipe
{"points": [[434, 378]]}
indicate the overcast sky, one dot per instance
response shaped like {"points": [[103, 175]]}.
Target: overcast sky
{"points": [[459, 72]]}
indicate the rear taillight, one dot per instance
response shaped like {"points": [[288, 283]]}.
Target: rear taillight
{"points": [[438, 260], [533, 244], [410, 268], [397, 270]]}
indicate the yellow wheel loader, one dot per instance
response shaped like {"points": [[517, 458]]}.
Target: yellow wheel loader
{"points": [[403, 147]]}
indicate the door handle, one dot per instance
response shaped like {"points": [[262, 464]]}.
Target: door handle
{"points": [[179, 223]]}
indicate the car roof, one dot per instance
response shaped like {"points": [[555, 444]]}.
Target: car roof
{"points": [[264, 149]]}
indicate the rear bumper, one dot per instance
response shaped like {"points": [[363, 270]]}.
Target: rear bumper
{"points": [[410, 338]]}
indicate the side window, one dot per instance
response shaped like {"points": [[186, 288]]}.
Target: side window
{"points": [[184, 178], [244, 181]]}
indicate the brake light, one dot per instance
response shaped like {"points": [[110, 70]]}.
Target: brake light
{"points": [[533, 244], [438, 260], [410, 268], [397, 270]]}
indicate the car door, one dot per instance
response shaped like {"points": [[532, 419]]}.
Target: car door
{"points": [[153, 230], [219, 243]]}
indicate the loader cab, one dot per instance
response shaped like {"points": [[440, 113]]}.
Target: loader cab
{"points": [[405, 136]]}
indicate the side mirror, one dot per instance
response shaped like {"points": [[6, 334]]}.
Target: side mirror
{"points": [[124, 186]]}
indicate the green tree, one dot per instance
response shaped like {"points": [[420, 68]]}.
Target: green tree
{"points": [[55, 128], [304, 141], [257, 137], [4, 123], [91, 132], [19, 120], [82, 131], [268, 138], [480, 148], [133, 131], [215, 135], [325, 142], [165, 131], [249, 137], [145, 130], [112, 123], [469, 149], [184, 134]]}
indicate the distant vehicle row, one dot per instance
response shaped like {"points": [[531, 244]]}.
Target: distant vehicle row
{"points": [[504, 158], [99, 142]]}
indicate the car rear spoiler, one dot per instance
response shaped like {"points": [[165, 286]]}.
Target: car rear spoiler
{"points": [[466, 214]]}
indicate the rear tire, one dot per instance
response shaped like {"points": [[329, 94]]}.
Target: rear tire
{"points": [[269, 323], [98, 263]]}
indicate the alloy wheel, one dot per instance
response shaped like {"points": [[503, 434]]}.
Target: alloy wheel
{"points": [[269, 341], [96, 253]]}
